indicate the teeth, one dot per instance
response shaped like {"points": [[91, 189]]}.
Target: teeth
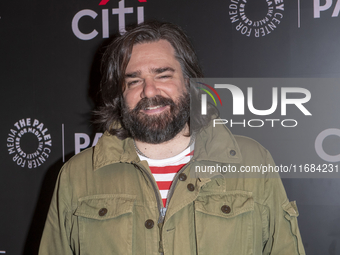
{"points": [[154, 107]]}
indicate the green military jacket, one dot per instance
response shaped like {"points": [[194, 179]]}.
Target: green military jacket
{"points": [[106, 202]]}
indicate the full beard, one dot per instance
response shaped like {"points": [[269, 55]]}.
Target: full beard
{"points": [[156, 128]]}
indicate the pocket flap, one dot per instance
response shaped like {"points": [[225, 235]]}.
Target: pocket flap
{"points": [[227, 205], [292, 212], [291, 209], [106, 206]]}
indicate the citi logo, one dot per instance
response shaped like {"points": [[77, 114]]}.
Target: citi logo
{"points": [[121, 11]]}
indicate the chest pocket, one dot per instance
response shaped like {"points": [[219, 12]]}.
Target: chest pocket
{"points": [[105, 224], [224, 223]]}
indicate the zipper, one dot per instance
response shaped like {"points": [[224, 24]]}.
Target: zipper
{"points": [[174, 182], [162, 210]]}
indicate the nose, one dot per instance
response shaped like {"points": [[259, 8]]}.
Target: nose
{"points": [[150, 88]]}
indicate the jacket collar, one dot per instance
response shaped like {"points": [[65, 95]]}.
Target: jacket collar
{"points": [[110, 149], [215, 144]]}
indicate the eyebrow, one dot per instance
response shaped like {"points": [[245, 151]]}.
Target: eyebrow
{"points": [[133, 74], [162, 70], [153, 70]]}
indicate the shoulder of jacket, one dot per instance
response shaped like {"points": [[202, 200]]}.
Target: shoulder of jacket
{"points": [[248, 143], [253, 153]]}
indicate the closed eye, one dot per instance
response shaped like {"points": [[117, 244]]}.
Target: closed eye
{"points": [[164, 76], [133, 82]]}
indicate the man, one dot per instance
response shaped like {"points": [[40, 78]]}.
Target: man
{"points": [[134, 194]]}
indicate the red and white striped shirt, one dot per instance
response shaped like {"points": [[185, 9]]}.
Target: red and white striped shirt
{"points": [[164, 170]]}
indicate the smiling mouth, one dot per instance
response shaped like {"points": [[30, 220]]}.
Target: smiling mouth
{"points": [[153, 107], [157, 109]]}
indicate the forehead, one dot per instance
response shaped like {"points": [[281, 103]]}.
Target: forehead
{"points": [[152, 53]]}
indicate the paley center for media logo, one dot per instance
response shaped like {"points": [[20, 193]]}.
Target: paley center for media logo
{"points": [[108, 17], [256, 18], [29, 143], [239, 102]]}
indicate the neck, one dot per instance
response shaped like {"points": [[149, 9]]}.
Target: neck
{"points": [[167, 149]]}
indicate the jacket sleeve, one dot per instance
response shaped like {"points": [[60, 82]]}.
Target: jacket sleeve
{"points": [[283, 231], [56, 236]]}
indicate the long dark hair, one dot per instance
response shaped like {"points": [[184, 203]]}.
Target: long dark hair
{"points": [[116, 58]]}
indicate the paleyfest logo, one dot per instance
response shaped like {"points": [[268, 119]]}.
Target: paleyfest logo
{"points": [[321, 6], [256, 18], [239, 105], [29, 143]]}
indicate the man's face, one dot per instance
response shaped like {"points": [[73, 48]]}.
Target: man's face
{"points": [[156, 102]]}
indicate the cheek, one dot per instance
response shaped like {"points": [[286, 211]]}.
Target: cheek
{"points": [[131, 99], [180, 89]]}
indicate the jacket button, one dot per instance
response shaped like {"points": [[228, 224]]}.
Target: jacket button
{"points": [[225, 209], [191, 187], [102, 212], [182, 177], [232, 153], [149, 224]]}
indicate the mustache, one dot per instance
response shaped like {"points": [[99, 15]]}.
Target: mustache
{"points": [[158, 100]]}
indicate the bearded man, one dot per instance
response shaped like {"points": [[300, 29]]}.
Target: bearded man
{"points": [[133, 192]]}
